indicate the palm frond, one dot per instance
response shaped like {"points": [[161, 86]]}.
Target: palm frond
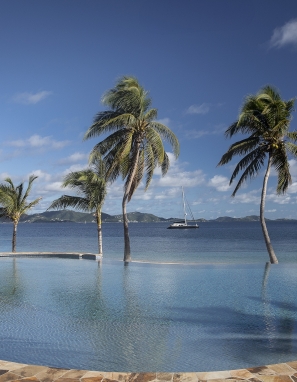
{"points": [[251, 171], [116, 121], [168, 135], [150, 115], [31, 180], [292, 135], [239, 148], [136, 179], [30, 205], [66, 201], [150, 164], [9, 181], [292, 148], [155, 141], [127, 95], [165, 164], [281, 164], [245, 162]]}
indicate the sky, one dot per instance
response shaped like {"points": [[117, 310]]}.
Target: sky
{"points": [[198, 59]]}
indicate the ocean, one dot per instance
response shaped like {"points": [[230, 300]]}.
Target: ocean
{"points": [[240, 242]]}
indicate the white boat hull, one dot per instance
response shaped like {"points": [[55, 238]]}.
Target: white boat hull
{"points": [[182, 226]]}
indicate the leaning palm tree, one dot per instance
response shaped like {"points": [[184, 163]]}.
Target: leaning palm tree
{"points": [[13, 203], [90, 185], [135, 145], [266, 118]]}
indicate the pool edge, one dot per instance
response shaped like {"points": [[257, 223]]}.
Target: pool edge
{"points": [[13, 371]]}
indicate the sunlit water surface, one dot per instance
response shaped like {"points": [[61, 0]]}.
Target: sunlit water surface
{"points": [[239, 242], [146, 317], [227, 312]]}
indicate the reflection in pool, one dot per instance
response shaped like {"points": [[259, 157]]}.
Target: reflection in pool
{"points": [[146, 317]]}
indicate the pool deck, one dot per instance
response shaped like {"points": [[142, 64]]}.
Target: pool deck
{"points": [[12, 371]]}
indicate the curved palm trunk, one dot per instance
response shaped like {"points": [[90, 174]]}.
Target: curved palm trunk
{"points": [[272, 256], [127, 249], [99, 230], [14, 233]]}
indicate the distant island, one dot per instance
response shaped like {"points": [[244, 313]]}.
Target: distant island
{"points": [[64, 216]]}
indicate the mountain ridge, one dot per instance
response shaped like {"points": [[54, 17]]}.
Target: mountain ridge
{"points": [[64, 216]]}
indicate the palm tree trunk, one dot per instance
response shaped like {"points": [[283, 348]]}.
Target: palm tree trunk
{"points": [[272, 256], [15, 224], [99, 229], [127, 249]]}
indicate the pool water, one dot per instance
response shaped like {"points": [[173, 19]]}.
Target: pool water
{"points": [[146, 317]]}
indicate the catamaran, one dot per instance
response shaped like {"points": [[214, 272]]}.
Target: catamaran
{"points": [[184, 224]]}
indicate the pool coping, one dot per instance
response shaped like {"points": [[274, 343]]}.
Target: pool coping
{"points": [[13, 371]]}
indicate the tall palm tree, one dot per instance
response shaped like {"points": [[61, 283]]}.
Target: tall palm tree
{"points": [[135, 145], [266, 118], [91, 186], [13, 203]]}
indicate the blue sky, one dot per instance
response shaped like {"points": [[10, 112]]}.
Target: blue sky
{"points": [[198, 59]]}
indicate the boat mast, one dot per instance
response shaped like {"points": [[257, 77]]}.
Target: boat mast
{"points": [[184, 204]]}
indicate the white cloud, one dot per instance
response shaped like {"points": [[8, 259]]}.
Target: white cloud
{"points": [[195, 134], [292, 188], [293, 169], [248, 197], [220, 183], [183, 178], [164, 121], [170, 193], [41, 175], [36, 141], [31, 98], [76, 157], [74, 167], [279, 199], [4, 175], [285, 35], [54, 186], [199, 109], [274, 210]]}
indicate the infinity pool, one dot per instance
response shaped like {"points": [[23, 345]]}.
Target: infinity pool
{"points": [[146, 317]]}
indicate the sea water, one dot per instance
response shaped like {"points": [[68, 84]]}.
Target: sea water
{"points": [[240, 242]]}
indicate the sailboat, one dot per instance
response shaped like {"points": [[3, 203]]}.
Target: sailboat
{"points": [[184, 224]]}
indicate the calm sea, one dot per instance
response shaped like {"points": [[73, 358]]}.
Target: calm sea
{"points": [[240, 242]]}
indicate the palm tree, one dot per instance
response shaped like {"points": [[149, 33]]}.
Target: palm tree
{"points": [[266, 118], [135, 145], [13, 202], [91, 185]]}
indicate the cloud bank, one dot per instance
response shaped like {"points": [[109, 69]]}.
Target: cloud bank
{"points": [[36, 141]]}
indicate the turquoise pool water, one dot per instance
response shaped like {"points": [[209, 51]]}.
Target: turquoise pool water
{"points": [[146, 317]]}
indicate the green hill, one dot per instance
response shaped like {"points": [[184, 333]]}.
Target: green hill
{"points": [[139, 217]]}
